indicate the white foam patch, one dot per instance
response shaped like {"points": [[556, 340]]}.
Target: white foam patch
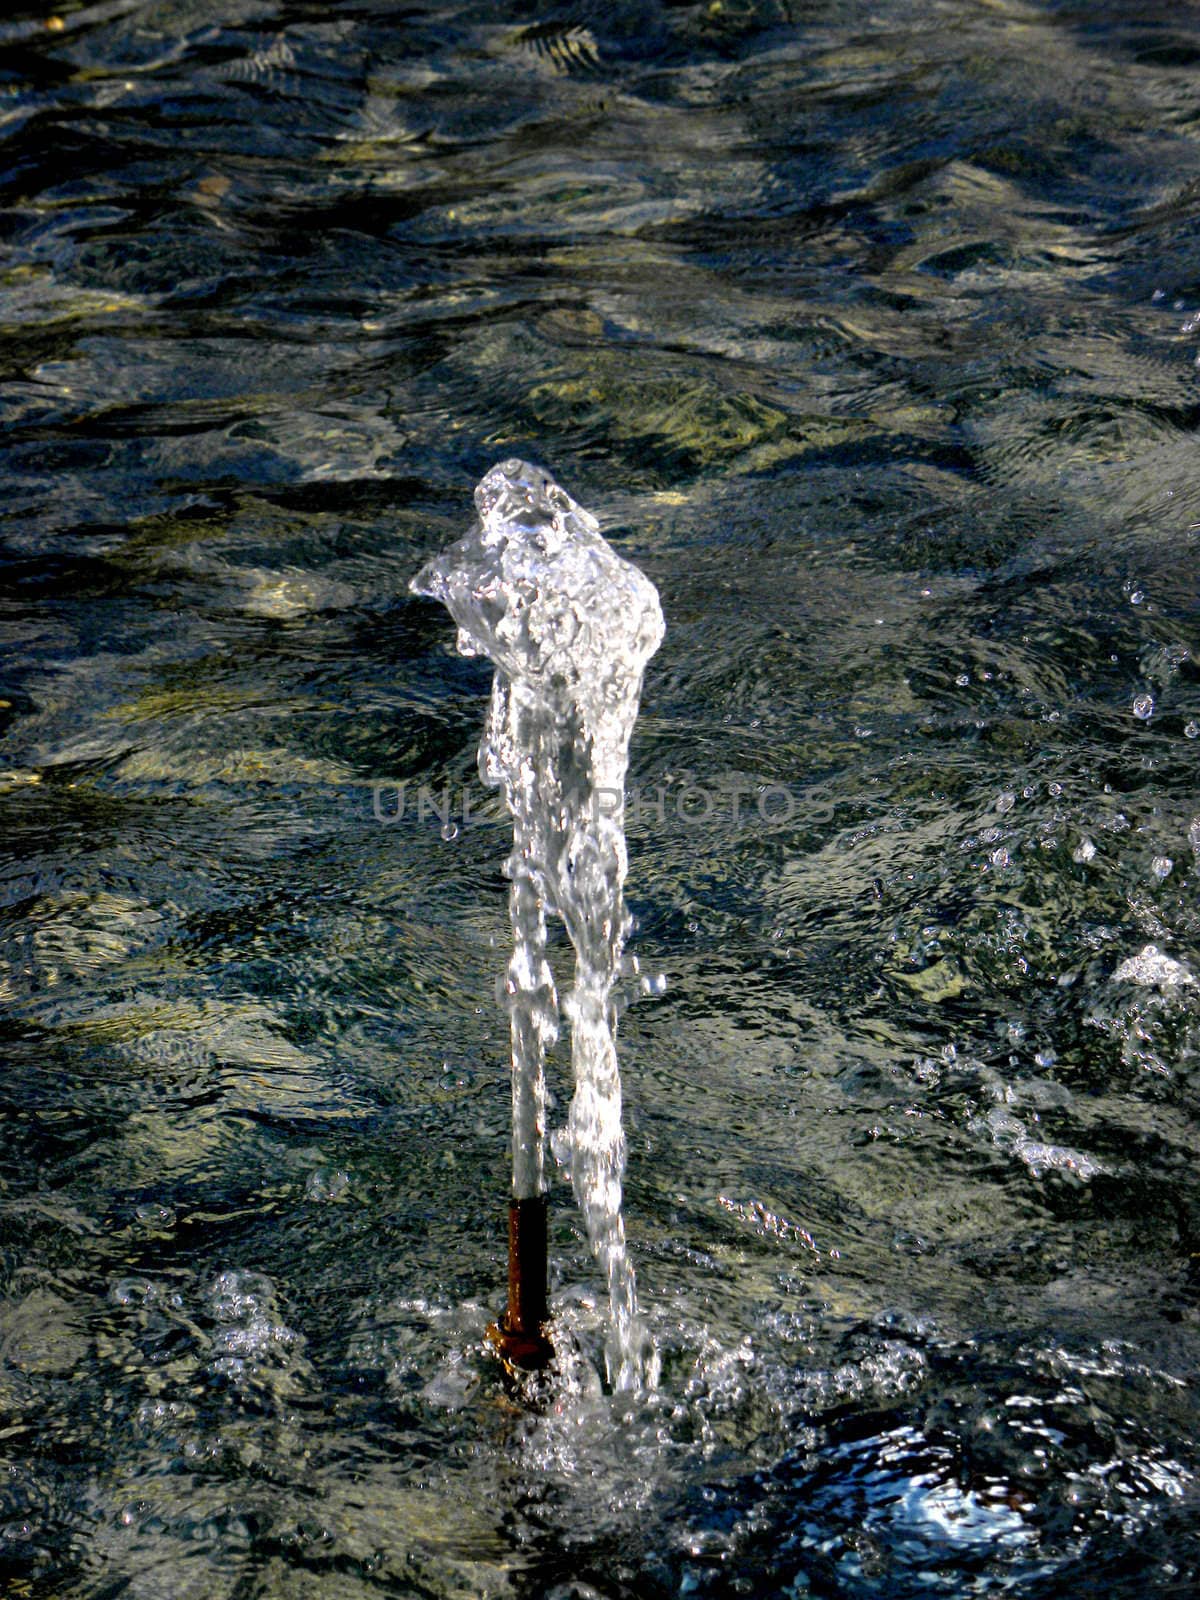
{"points": [[1152, 968]]}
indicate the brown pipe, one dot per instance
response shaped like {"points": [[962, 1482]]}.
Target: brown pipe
{"points": [[520, 1336]]}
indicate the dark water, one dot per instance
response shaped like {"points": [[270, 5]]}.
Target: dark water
{"points": [[867, 330]]}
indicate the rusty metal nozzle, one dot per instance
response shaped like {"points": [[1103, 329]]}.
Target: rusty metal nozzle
{"points": [[520, 1336]]}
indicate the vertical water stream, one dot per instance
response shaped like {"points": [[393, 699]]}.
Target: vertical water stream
{"points": [[570, 626]]}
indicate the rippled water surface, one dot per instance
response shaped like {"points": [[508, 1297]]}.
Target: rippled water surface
{"points": [[871, 333]]}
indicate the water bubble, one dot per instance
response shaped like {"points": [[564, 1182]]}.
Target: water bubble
{"points": [[327, 1184], [1056, 790], [1143, 707], [963, 679], [1000, 858], [1006, 801], [133, 1292], [449, 831], [1191, 730], [1162, 867], [1136, 596]]}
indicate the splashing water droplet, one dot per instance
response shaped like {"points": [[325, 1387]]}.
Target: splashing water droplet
{"points": [[570, 627], [1143, 707], [1161, 867]]}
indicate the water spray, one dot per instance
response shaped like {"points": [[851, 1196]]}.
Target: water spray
{"points": [[569, 626]]}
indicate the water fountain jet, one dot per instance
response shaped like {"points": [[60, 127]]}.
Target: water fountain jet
{"points": [[569, 626]]}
